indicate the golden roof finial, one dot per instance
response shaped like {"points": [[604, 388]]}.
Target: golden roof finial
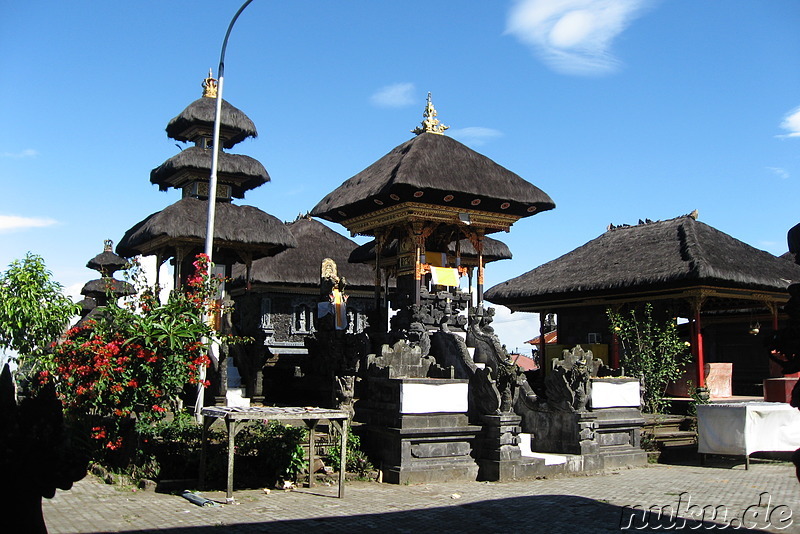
{"points": [[430, 123], [210, 86]]}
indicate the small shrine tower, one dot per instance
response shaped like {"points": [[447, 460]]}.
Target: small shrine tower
{"points": [[241, 233], [423, 202], [429, 195], [98, 293]]}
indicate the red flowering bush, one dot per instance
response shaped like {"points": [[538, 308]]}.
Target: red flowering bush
{"points": [[125, 368]]}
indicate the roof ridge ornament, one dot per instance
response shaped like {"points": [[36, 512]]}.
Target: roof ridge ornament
{"points": [[210, 86], [430, 124]]}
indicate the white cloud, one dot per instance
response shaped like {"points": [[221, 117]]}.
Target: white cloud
{"points": [[394, 96], [791, 123], [780, 173], [573, 36], [474, 135], [10, 223], [74, 291], [27, 153], [514, 329]]}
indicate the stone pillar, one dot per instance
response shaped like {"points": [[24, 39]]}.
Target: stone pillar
{"points": [[479, 248], [499, 455]]}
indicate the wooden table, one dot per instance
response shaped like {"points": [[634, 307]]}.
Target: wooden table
{"points": [[233, 416]]}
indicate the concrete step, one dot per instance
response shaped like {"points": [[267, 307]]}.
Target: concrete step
{"points": [[675, 439]]}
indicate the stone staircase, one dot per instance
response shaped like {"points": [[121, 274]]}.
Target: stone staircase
{"points": [[670, 432]]}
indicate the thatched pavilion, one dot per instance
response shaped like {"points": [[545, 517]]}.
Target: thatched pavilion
{"points": [[685, 268], [278, 308], [241, 233], [283, 289], [427, 193]]}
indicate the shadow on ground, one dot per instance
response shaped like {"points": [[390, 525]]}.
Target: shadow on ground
{"points": [[690, 457], [541, 513]]}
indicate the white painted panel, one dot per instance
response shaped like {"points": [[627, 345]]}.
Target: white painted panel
{"points": [[615, 394], [434, 398]]}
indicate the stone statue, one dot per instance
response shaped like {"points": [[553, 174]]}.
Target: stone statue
{"points": [[330, 279], [341, 357], [510, 379], [506, 377], [481, 336], [417, 332], [567, 386], [344, 389]]}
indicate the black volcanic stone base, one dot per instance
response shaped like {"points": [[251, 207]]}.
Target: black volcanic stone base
{"points": [[424, 448], [413, 448], [498, 452]]}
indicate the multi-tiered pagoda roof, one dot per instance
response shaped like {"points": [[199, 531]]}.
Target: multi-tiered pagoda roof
{"points": [[241, 233]]}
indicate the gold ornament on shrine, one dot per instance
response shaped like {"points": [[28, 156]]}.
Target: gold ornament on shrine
{"points": [[430, 124], [210, 86]]}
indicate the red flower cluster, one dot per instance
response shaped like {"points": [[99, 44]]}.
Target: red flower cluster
{"points": [[131, 362]]}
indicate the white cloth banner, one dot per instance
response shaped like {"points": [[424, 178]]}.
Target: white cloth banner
{"points": [[746, 427]]}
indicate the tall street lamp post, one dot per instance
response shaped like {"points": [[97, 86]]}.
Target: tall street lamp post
{"points": [[212, 184]]}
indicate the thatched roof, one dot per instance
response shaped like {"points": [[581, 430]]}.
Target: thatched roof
{"points": [[87, 304], [101, 287], [675, 253], [107, 263], [90, 315], [237, 228], [301, 265], [434, 169], [242, 172], [493, 250], [198, 119]]}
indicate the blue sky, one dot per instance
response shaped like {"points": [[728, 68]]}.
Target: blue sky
{"points": [[619, 110]]}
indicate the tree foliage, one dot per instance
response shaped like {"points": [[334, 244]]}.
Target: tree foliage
{"points": [[651, 351], [126, 366], [33, 310]]}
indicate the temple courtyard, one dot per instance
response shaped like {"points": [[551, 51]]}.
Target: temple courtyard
{"points": [[685, 496]]}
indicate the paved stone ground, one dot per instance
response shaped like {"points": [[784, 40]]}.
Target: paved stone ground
{"points": [[578, 504]]}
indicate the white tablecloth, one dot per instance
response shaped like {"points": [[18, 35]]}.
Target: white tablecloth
{"points": [[743, 428]]}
